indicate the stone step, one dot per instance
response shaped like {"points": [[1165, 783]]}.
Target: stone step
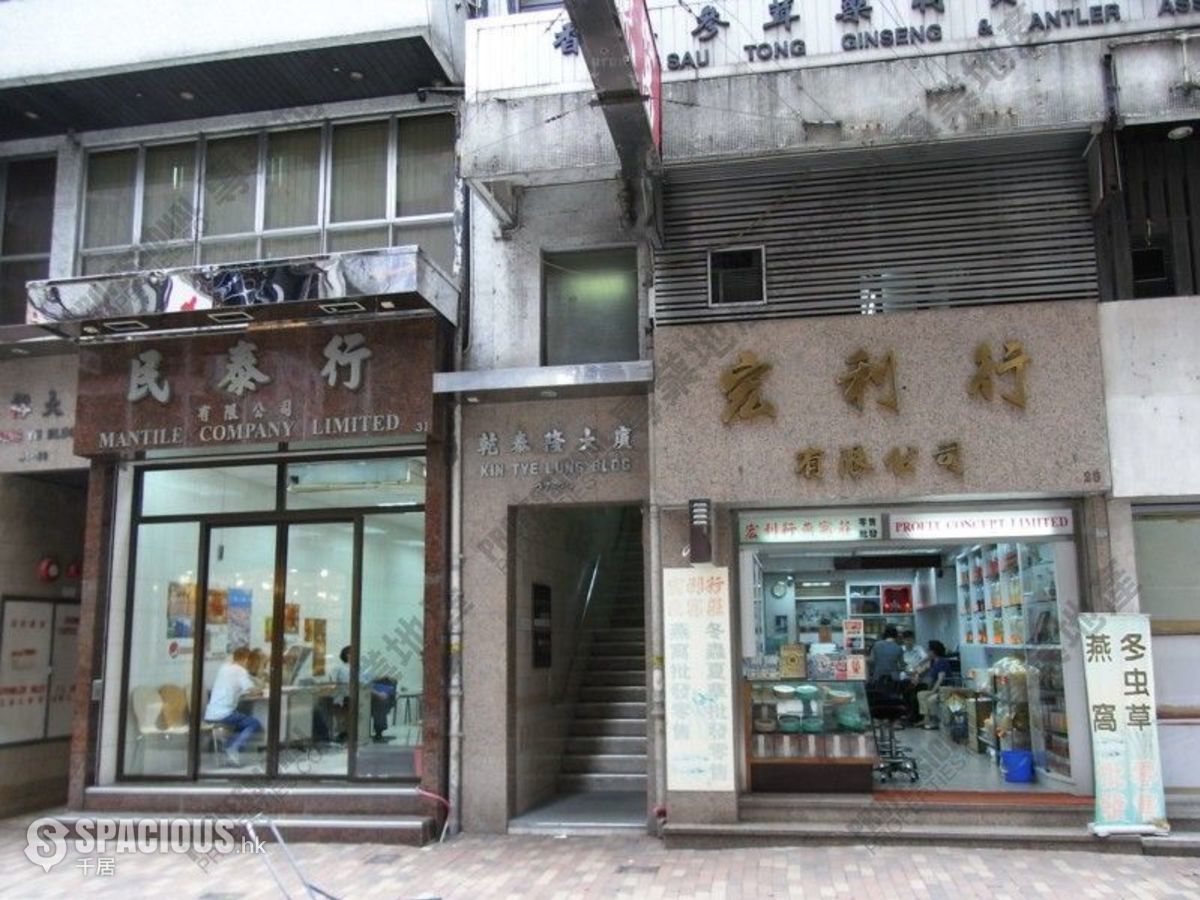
{"points": [[411, 830], [623, 648], [610, 710], [608, 728], [617, 664], [278, 798], [632, 678], [604, 763], [601, 782], [704, 836], [1185, 844], [867, 811], [612, 693], [607, 744]]}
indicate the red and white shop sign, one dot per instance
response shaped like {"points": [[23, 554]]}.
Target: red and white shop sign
{"points": [[782, 528], [1015, 523]]}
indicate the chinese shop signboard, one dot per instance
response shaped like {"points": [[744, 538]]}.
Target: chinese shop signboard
{"points": [[1120, 686], [254, 387], [37, 416], [699, 679], [843, 525]]}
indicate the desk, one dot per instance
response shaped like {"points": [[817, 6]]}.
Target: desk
{"points": [[296, 705]]}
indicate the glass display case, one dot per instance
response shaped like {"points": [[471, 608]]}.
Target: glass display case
{"points": [[806, 735]]}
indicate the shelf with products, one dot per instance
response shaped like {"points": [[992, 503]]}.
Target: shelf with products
{"points": [[808, 724]]}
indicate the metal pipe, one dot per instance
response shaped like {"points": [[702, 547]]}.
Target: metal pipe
{"points": [[454, 787], [657, 691]]}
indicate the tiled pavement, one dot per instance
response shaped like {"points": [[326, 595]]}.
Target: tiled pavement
{"points": [[486, 867]]}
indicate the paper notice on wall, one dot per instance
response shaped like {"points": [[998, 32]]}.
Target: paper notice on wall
{"points": [[62, 670], [699, 679], [28, 627], [1121, 714]]}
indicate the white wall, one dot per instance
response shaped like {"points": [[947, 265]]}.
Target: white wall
{"points": [[40, 39], [1152, 390]]}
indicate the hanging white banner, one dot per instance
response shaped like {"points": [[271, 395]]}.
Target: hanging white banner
{"points": [[1121, 714], [699, 679]]}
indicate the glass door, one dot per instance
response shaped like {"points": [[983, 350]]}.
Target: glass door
{"points": [[274, 695]]}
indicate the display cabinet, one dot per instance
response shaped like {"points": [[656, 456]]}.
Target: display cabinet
{"points": [[806, 736]]}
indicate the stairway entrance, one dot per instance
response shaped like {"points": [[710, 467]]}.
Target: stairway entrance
{"points": [[591, 735]]}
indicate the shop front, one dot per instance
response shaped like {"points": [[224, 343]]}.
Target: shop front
{"points": [[272, 507], [880, 493]]}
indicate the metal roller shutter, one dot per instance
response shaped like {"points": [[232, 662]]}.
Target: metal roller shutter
{"points": [[989, 224]]}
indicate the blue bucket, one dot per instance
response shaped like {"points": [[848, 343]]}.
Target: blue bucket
{"points": [[1017, 765]]}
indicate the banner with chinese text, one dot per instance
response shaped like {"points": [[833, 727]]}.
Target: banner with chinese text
{"points": [[265, 386], [1121, 713], [699, 679]]}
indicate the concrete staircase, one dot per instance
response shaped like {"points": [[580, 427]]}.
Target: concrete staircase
{"points": [[606, 749]]}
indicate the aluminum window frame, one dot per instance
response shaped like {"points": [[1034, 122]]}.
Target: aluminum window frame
{"points": [[708, 268], [324, 228], [5, 163]]}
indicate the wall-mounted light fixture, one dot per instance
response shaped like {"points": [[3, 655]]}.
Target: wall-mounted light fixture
{"points": [[700, 528]]}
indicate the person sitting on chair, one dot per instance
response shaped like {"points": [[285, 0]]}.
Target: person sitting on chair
{"points": [[936, 670], [231, 683]]}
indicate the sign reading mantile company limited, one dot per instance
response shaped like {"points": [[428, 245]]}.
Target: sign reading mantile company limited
{"points": [[253, 387]]}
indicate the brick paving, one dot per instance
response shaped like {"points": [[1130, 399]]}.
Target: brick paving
{"points": [[548, 867]]}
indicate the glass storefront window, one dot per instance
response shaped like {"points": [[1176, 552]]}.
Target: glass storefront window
{"points": [[1167, 546], [229, 489], [159, 721], [267, 623]]}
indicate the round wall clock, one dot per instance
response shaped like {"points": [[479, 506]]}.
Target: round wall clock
{"points": [[778, 589]]}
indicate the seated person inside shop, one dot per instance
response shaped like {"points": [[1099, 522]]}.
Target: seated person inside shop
{"points": [[886, 661], [934, 672], [232, 683], [914, 663]]}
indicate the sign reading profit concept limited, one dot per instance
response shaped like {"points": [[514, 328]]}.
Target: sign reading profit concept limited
{"points": [[269, 386]]}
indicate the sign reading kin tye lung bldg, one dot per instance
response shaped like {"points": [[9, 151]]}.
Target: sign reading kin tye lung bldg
{"points": [[254, 387]]}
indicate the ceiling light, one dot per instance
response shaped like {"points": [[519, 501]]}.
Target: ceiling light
{"points": [[1180, 133], [387, 304], [548, 394], [30, 114], [472, 399], [187, 95], [19, 351], [356, 76]]}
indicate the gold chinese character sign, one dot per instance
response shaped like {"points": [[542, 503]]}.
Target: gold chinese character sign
{"points": [[853, 463], [901, 463], [809, 463], [987, 369], [862, 374], [742, 385], [949, 456]]}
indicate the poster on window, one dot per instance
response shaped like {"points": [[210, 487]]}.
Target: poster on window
{"points": [[699, 680], [1121, 713], [237, 616], [181, 609], [25, 641], [63, 657]]}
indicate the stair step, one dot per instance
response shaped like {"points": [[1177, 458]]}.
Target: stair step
{"points": [[613, 693], [771, 834], [608, 728], [619, 635], [607, 744], [617, 664], [624, 648], [847, 810], [604, 763], [283, 799], [602, 782], [632, 678], [610, 710], [343, 829]]}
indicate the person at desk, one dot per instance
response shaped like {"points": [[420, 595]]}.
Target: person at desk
{"points": [[887, 657], [935, 672], [341, 694], [914, 653], [231, 683]]}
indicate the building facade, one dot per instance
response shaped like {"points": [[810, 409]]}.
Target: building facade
{"points": [[516, 437]]}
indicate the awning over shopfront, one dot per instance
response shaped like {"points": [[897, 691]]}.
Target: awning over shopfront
{"points": [[357, 284]]}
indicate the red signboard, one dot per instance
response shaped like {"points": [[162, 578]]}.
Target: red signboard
{"points": [[646, 65], [264, 386]]}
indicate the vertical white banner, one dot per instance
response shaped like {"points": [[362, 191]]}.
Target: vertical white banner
{"points": [[699, 679], [1121, 715]]}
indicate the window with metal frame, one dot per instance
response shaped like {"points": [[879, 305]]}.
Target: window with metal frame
{"points": [[590, 309], [272, 194], [737, 275], [26, 215]]}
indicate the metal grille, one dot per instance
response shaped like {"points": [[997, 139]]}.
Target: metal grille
{"points": [[877, 235]]}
